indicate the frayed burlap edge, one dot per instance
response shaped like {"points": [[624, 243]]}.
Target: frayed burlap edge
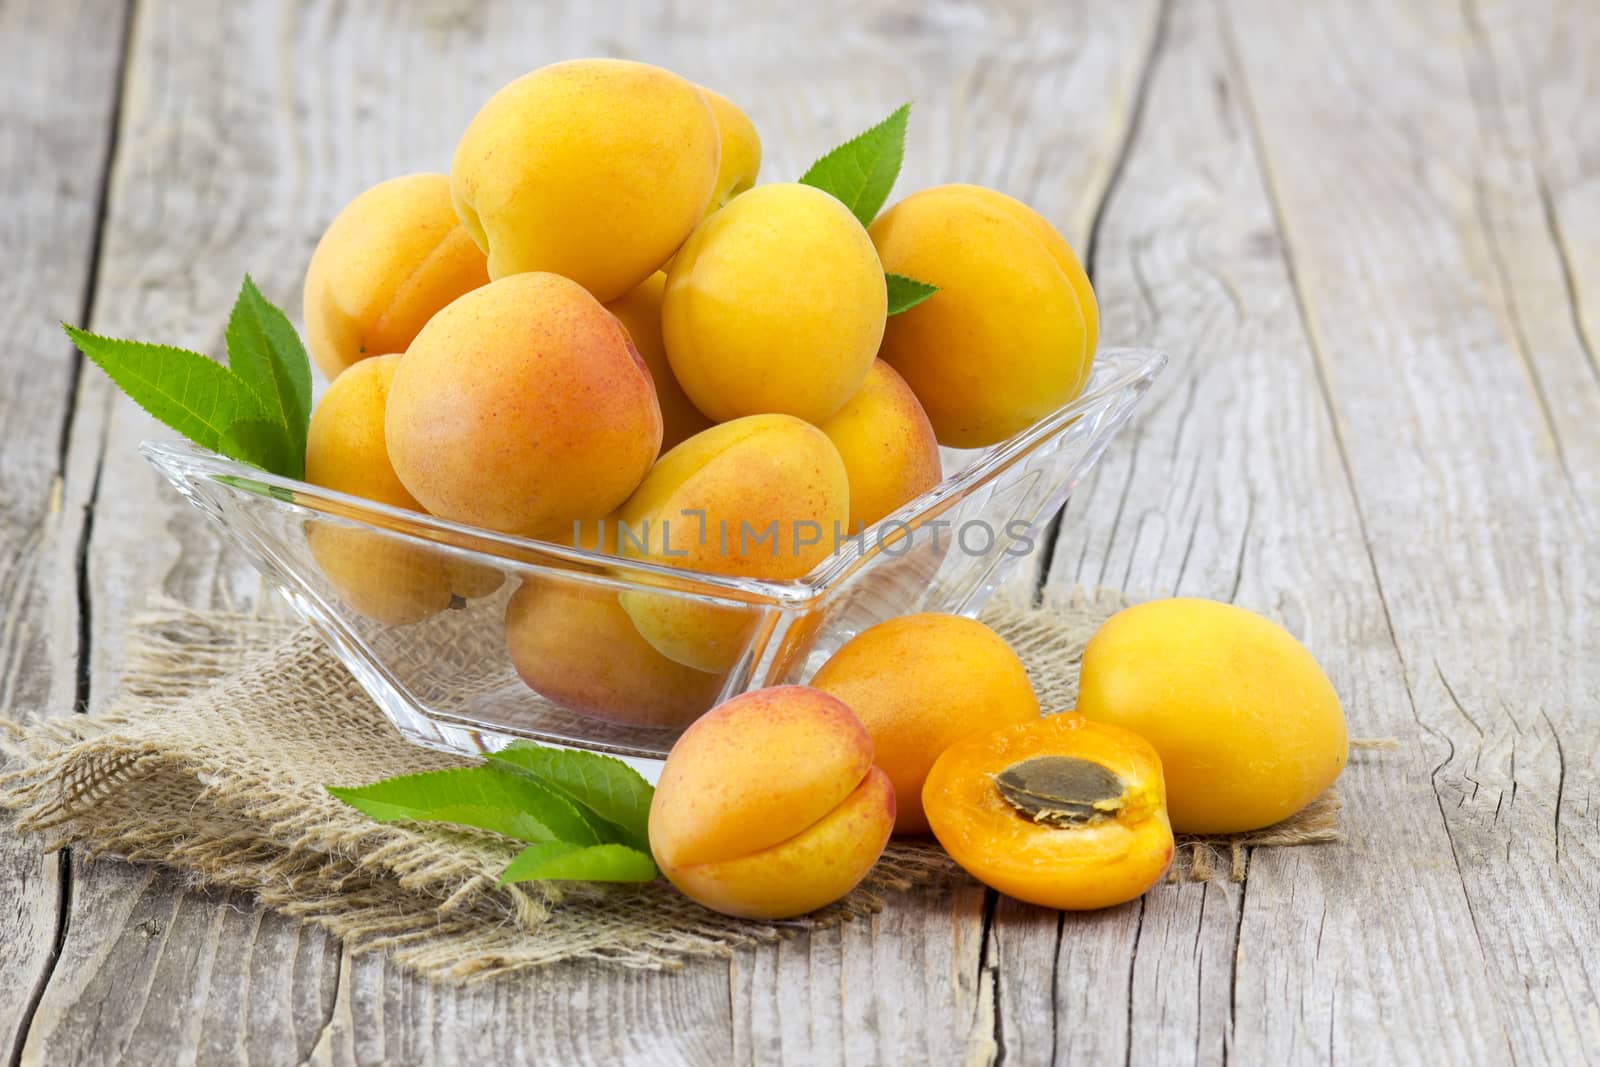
{"points": [[116, 784]]}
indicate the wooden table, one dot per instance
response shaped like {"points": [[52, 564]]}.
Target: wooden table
{"points": [[1368, 235]]}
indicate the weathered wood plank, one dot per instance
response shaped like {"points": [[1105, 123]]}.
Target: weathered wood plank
{"points": [[1232, 485], [58, 74], [1467, 471]]}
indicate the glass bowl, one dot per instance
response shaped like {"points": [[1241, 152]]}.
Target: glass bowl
{"points": [[469, 639]]}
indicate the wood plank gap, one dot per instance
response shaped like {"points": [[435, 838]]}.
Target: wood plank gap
{"points": [[1141, 95], [80, 703]]}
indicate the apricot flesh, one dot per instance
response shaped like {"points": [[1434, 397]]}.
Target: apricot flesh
{"points": [[776, 304], [392, 257], [522, 407], [920, 683], [572, 643], [1010, 334], [758, 497], [640, 313], [769, 805], [888, 446], [1248, 726], [1107, 850], [595, 169]]}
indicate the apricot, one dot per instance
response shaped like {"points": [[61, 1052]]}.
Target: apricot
{"points": [[758, 497], [395, 255], [769, 805], [887, 444], [595, 169], [345, 448], [640, 312], [741, 149], [572, 643], [1247, 724], [1010, 334], [1060, 812], [522, 407], [776, 304], [919, 684], [386, 579]]}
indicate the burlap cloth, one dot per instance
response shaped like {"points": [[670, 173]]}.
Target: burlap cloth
{"points": [[228, 727]]}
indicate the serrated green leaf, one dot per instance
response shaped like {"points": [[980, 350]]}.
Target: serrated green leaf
{"points": [[419, 796], [191, 393], [862, 171], [266, 354], [517, 824], [560, 861], [264, 443], [906, 293], [603, 785]]}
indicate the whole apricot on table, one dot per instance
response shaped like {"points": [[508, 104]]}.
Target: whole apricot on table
{"points": [[1061, 812], [776, 304], [572, 643], [758, 497], [919, 684], [769, 806], [1247, 724], [523, 407], [595, 169], [1010, 334], [741, 149], [887, 444], [395, 255], [640, 312]]}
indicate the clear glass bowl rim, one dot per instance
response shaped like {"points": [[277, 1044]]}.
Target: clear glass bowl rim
{"points": [[1120, 369]]}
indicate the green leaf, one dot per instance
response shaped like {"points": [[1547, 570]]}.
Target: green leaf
{"points": [[266, 354], [906, 293], [861, 171], [517, 824], [421, 797], [603, 785], [560, 861], [264, 443], [191, 393]]}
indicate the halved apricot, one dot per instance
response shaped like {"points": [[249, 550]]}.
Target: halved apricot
{"points": [[1062, 812]]}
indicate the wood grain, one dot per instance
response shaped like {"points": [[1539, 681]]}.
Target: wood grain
{"points": [[1468, 480], [1367, 235], [58, 74]]}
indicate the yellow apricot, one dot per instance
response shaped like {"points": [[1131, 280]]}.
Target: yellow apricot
{"points": [[776, 304], [919, 684], [640, 312], [345, 448], [741, 149], [887, 444], [1010, 334], [769, 805], [381, 577], [595, 169], [1247, 724], [395, 255], [572, 643], [522, 407], [758, 497]]}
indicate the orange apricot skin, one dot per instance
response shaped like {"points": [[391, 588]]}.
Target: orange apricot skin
{"points": [[769, 805], [920, 683], [572, 643], [887, 444], [392, 257], [639, 310], [1082, 868], [808, 871]]}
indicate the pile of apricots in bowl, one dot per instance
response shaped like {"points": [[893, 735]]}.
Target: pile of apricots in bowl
{"points": [[599, 316]]}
